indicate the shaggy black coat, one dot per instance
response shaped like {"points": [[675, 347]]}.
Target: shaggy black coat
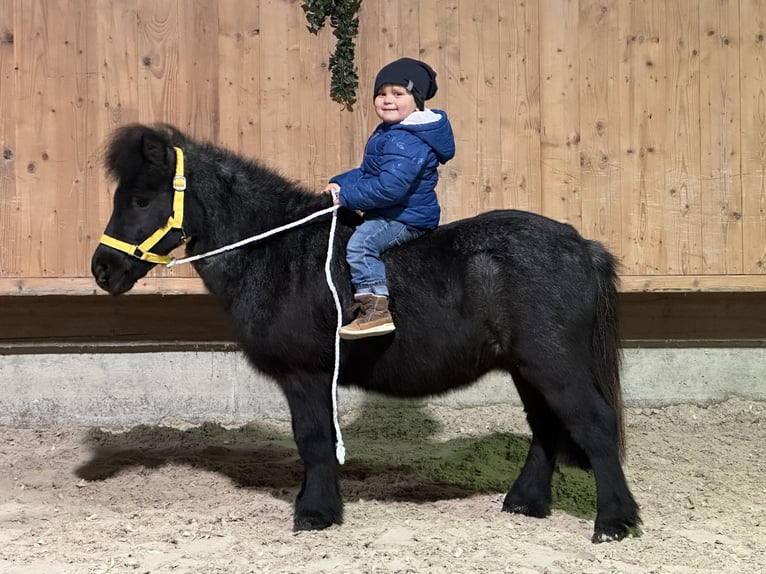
{"points": [[506, 290]]}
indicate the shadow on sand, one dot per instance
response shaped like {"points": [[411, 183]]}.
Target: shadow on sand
{"points": [[392, 456]]}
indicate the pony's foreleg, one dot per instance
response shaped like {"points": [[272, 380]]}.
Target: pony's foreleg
{"points": [[319, 503]]}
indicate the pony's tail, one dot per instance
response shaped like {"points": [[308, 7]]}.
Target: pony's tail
{"points": [[606, 336]]}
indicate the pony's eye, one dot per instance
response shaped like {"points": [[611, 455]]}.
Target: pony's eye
{"points": [[141, 202]]}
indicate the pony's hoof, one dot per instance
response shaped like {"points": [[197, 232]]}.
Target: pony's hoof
{"points": [[533, 510], [614, 533], [312, 522]]}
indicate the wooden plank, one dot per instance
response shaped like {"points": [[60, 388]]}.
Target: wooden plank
{"points": [[476, 127], [158, 50], [337, 134], [318, 160], [351, 128], [195, 76], [642, 121], [600, 122], [72, 143], [519, 106], [78, 286], [239, 59], [112, 87], [197, 69], [155, 323], [162, 93], [9, 207], [408, 43], [702, 319], [30, 41], [560, 111], [50, 134], [463, 97], [41, 324], [720, 125], [683, 218], [280, 114], [53, 140], [753, 142], [689, 283], [489, 187], [357, 125], [438, 29]]}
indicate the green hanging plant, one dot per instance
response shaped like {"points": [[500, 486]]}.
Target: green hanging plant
{"points": [[344, 21]]}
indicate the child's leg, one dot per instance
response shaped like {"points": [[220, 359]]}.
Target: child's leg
{"points": [[367, 243], [368, 274]]}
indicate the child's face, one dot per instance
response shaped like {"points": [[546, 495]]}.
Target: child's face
{"points": [[394, 103]]}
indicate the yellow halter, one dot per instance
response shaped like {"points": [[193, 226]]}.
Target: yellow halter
{"points": [[175, 221]]}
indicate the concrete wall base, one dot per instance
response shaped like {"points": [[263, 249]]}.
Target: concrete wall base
{"points": [[125, 389]]}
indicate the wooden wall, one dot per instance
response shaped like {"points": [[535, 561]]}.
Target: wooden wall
{"points": [[642, 123]]}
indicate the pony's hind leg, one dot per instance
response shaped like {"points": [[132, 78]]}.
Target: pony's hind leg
{"points": [[319, 503], [591, 423], [531, 491]]}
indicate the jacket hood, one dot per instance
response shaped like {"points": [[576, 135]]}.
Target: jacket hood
{"points": [[432, 127]]}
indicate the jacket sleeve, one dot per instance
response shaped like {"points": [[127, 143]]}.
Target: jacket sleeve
{"points": [[400, 166], [347, 178]]}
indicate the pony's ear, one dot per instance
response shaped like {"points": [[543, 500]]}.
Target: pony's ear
{"points": [[134, 146], [155, 149]]}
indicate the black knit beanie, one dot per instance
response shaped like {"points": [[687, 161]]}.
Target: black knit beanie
{"points": [[418, 77]]}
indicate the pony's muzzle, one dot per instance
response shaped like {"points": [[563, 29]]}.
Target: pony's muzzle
{"points": [[115, 272]]}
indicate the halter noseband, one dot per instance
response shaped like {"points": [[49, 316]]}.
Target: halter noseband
{"points": [[175, 221]]}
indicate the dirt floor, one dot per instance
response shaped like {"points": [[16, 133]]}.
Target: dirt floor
{"points": [[423, 489]]}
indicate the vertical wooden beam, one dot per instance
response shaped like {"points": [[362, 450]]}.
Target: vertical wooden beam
{"points": [[112, 77], [463, 99], [438, 30], [198, 68], [9, 201], [682, 235], [239, 78], [519, 105], [50, 44], [642, 129], [600, 122], [280, 92], [159, 93], [720, 125], [560, 110], [315, 108], [753, 93]]}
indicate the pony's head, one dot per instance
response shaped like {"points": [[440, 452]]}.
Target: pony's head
{"points": [[145, 224]]}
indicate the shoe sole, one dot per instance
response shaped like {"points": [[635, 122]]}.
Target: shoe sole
{"points": [[371, 332]]}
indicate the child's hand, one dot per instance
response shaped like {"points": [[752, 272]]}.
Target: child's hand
{"points": [[333, 189]]}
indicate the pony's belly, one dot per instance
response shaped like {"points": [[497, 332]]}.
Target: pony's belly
{"points": [[421, 377]]}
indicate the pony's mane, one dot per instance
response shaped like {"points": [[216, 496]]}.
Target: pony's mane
{"points": [[125, 156]]}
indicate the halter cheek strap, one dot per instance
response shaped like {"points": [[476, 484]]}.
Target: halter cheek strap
{"points": [[143, 250]]}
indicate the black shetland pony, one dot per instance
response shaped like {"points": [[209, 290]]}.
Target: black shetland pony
{"points": [[505, 290]]}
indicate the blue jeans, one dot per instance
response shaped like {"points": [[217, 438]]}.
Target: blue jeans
{"points": [[369, 240]]}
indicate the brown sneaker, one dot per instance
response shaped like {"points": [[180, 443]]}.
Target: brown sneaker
{"points": [[373, 318]]}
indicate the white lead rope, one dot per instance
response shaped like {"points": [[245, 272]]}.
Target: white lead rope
{"points": [[340, 450], [254, 238]]}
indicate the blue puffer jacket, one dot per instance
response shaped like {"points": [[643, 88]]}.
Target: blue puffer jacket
{"points": [[397, 178]]}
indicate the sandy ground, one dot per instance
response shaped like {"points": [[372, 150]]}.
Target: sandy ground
{"points": [[206, 499]]}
